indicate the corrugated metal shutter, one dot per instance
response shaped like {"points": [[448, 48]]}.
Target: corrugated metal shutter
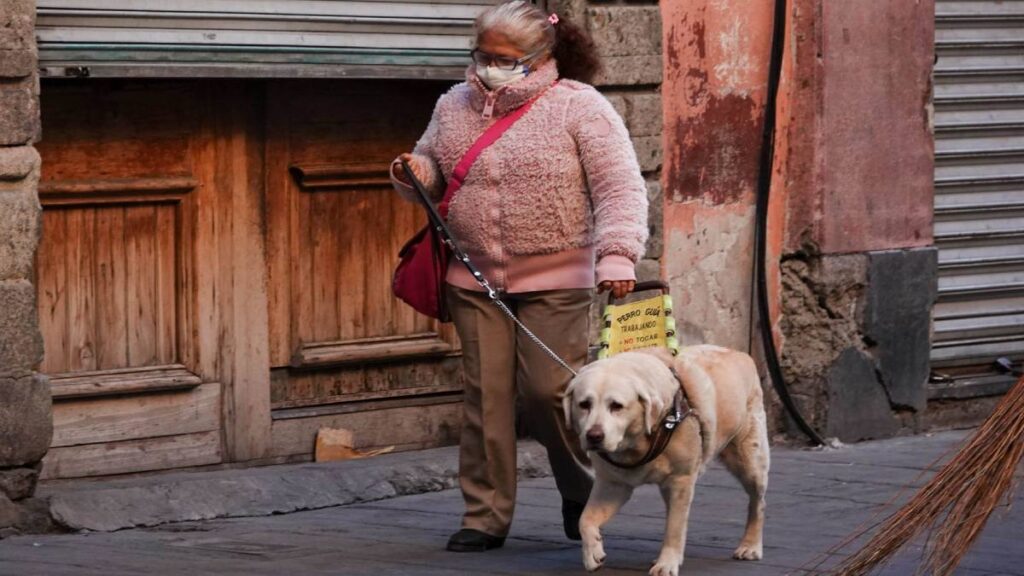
{"points": [[979, 191], [256, 38]]}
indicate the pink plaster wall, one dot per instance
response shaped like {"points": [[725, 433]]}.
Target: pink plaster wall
{"points": [[713, 93], [715, 69], [853, 167], [869, 169]]}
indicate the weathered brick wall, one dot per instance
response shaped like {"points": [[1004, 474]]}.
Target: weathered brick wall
{"points": [[25, 420], [628, 37]]}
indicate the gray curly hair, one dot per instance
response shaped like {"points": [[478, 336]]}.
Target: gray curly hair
{"points": [[525, 24]]}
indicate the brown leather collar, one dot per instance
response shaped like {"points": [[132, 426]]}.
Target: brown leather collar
{"points": [[663, 434]]}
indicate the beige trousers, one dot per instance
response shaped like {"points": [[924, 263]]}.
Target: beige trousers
{"points": [[497, 362]]}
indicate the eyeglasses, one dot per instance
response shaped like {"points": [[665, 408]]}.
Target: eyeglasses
{"points": [[500, 62]]}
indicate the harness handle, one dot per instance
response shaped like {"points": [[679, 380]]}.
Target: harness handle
{"points": [[643, 287]]}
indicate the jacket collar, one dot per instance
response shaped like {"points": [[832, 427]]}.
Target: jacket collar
{"points": [[512, 96]]}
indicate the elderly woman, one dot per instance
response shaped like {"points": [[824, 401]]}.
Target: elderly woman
{"points": [[556, 206]]}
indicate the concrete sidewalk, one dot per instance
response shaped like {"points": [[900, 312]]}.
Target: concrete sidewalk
{"points": [[815, 499], [151, 500]]}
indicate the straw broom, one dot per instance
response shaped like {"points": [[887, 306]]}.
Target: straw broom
{"points": [[955, 505]]}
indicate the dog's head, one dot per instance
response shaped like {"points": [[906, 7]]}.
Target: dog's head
{"points": [[613, 401]]}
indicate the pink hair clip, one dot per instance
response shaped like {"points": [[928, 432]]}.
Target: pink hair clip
{"points": [[553, 18]]}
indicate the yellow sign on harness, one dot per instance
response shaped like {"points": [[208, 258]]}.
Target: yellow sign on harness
{"points": [[642, 324]]}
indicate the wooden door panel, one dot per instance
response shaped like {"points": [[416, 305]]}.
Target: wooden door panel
{"points": [[111, 288], [52, 292], [125, 417], [352, 253], [335, 227], [113, 130], [107, 294], [160, 198], [365, 383], [137, 455], [119, 187]]}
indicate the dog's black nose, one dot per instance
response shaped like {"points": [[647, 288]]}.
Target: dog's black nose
{"points": [[595, 436]]}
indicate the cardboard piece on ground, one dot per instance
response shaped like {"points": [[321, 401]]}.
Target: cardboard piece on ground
{"points": [[337, 444]]}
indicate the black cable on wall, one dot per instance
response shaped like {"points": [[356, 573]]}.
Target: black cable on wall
{"points": [[764, 184]]}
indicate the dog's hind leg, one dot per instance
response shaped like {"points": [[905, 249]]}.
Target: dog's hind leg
{"points": [[678, 494], [748, 459], [605, 500]]}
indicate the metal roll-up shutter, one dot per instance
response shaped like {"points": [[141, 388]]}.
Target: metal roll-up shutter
{"points": [[979, 194], [256, 38]]}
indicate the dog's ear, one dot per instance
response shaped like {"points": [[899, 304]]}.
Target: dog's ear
{"points": [[652, 405], [567, 403]]}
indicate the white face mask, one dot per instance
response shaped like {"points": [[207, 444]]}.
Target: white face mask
{"points": [[495, 78]]}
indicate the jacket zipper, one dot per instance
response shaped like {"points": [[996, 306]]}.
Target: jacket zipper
{"points": [[490, 98], [489, 104]]}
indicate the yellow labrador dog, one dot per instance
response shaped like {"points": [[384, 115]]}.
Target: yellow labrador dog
{"points": [[617, 405]]}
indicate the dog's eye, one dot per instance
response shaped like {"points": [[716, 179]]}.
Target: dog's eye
{"points": [[614, 407], [585, 405]]}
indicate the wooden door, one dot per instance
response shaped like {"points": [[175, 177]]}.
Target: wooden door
{"points": [[214, 273], [346, 353], [151, 276]]}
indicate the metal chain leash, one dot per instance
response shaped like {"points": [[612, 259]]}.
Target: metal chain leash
{"points": [[540, 344], [493, 295]]}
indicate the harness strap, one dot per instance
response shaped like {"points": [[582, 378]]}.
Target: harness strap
{"points": [[659, 440]]}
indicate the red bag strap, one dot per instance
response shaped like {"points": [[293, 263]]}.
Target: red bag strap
{"points": [[490, 136]]}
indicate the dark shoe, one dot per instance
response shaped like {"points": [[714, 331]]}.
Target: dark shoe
{"points": [[571, 512], [469, 540]]}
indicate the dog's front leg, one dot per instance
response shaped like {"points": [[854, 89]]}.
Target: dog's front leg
{"points": [[678, 494], [605, 500]]}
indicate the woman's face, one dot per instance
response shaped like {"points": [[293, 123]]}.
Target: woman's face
{"points": [[498, 44]]}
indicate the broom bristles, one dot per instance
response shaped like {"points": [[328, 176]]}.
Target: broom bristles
{"points": [[955, 505]]}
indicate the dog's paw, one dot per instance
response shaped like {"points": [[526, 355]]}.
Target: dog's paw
{"points": [[747, 552], [669, 567], [593, 556]]}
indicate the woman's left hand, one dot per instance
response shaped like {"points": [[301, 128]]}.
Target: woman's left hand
{"points": [[619, 288]]}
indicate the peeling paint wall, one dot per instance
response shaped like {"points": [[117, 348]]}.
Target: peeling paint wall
{"points": [[707, 264], [857, 214], [851, 196], [713, 92], [861, 98]]}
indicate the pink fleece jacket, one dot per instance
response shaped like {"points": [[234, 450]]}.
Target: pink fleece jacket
{"points": [[559, 189]]}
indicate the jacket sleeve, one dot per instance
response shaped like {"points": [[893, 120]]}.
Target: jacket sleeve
{"points": [[617, 189], [424, 153]]}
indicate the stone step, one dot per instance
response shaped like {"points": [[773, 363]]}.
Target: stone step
{"points": [[261, 491]]}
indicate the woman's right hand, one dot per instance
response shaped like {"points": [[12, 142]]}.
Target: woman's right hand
{"points": [[418, 169]]}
